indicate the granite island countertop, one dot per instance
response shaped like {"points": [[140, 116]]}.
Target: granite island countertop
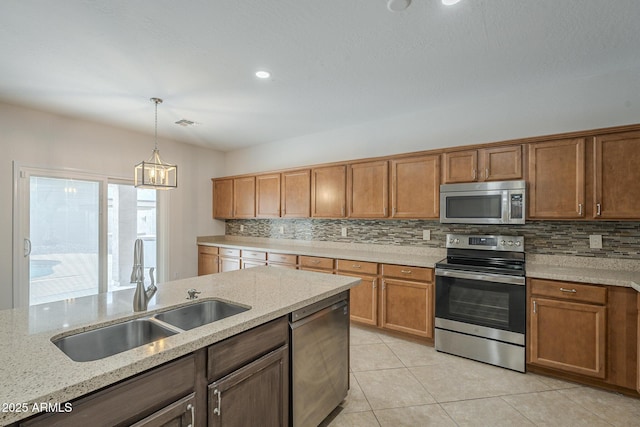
{"points": [[33, 370]]}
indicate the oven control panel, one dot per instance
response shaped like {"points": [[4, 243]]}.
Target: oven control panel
{"points": [[493, 243]]}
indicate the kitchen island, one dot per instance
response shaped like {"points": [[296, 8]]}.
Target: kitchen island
{"points": [[33, 371]]}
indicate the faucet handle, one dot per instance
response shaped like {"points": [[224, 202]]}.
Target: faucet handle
{"points": [[193, 294]]}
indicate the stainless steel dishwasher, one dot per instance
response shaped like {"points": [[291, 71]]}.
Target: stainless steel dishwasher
{"points": [[319, 359]]}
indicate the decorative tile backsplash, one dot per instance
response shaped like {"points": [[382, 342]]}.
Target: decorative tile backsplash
{"points": [[619, 239]]}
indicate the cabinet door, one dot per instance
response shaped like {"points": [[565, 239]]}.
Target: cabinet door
{"points": [[328, 191], [244, 197], [568, 336], [617, 176], [368, 190], [500, 163], [179, 414], [255, 395], [415, 187], [223, 198], [460, 166], [407, 307], [229, 264], [268, 196], [556, 179], [363, 299], [207, 260], [296, 194]]}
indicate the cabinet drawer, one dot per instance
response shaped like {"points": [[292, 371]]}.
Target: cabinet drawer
{"points": [[357, 266], [282, 258], [569, 291], [211, 250], [316, 262], [258, 256], [229, 252], [228, 355], [420, 274], [128, 401]]}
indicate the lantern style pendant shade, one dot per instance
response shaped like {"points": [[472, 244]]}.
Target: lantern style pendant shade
{"points": [[154, 173]]}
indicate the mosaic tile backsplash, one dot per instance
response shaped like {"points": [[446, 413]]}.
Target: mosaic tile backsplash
{"points": [[619, 239]]}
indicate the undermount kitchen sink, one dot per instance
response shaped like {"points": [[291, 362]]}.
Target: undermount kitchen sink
{"points": [[198, 314], [110, 340]]}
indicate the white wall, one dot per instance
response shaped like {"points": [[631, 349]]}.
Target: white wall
{"points": [[35, 138], [583, 103]]}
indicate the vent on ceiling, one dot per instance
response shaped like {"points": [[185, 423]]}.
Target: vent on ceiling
{"points": [[185, 122]]}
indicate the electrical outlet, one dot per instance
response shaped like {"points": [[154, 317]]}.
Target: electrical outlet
{"points": [[426, 234], [595, 241], [344, 232], [241, 228], [282, 229]]}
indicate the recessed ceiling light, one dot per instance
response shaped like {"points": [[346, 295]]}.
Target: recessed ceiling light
{"points": [[449, 2], [261, 74], [398, 5]]}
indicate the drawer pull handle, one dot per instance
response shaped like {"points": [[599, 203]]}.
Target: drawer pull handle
{"points": [[216, 411], [571, 291], [405, 271], [315, 261], [192, 408], [356, 266]]}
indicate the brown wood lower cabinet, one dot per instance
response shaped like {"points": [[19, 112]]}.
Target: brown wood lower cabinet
{"points": [[364, 297], [207, 260], [407, 300], [179, 414], [252, 395]]}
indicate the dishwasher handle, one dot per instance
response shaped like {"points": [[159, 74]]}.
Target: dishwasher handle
{"points": [[342, 305]]}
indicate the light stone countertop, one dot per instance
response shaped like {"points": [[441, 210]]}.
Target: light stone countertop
{"points": [[33, 370], [413, 256], [601, 271]]}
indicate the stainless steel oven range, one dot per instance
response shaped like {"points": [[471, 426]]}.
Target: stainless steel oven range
{"points": [[481, 300]]}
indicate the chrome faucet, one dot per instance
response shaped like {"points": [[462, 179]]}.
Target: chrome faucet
{"points": [[142, 296]]}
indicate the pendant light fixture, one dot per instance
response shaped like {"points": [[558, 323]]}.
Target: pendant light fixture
{"points": [[154, 173]]}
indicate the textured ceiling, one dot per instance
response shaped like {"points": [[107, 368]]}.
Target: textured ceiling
{"points": [[334, 63]]}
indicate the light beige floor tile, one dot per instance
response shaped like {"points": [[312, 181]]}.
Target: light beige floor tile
{"points": [[461, 379], [416, 354], [493, 412], [552, 408], [555, 383], [616, 409], [353, 419], [356, 400], [424, 415], [373, 356], [359, 335], [392, 388]]}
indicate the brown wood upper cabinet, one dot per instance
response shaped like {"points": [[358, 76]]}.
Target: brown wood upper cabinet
{"points": [[368, 189], [415, 187], [223, 198], [296, 194], [328, 191], [244, 197], [557, 179], [486, 164], [268, 196], [617, 176]]}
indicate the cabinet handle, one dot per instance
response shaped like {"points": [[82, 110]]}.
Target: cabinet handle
{"points": [[473, 174], [405, 271], [216, 410], [534, 306], [356, 266], [385, 211], [570, 291], [579, 209], [192, 408], [486, 173], [315, 261], [598, 209]]}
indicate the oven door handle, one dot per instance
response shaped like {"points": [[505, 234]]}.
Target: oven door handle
{"points": [[497, 278]]}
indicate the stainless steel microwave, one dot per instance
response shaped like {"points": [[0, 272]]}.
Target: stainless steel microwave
{"points": [[497, 202]]}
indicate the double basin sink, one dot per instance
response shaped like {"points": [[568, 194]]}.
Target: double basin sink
{"points": [[109, 340]]}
